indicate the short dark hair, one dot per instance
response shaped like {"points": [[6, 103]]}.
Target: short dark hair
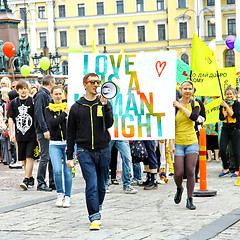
{"points": [[22, 84], [55, 87], [85, 78], [47, 79]]}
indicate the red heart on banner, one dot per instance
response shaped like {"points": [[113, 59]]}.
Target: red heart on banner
{"points": [[160, 67], [185, 74]]}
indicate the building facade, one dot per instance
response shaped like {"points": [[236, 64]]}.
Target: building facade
{"points": [[132, 25]]}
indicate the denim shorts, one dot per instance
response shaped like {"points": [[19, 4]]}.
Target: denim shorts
{"points": [[182, 150]]}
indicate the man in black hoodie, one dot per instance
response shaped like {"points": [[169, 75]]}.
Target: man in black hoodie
{"points": [[88, 121], [41, 100]]}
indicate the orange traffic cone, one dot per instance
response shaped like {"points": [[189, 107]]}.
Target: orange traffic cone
{"points": [[238, 181]]}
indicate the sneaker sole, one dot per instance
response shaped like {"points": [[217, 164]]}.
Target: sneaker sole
{"points": [[64, 206], [15, 167], [23, 186], [226, 175], [130, 192], [151, 188]]}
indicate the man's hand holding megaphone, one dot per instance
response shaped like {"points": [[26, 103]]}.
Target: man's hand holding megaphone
{"points": [[103, 100]]}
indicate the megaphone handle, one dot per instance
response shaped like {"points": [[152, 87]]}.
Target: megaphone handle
{"points": [[103, 112]]}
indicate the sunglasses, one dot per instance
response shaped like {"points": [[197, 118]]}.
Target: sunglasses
{"points": [[93, 82]]}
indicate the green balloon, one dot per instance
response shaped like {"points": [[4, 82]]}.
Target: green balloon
{"points": [[75, 48], [44, 63], [25, 70]]}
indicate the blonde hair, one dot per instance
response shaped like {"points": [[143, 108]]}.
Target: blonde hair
{"points": [[229, 88], [187, 82], [7, 80], [4, 92]]}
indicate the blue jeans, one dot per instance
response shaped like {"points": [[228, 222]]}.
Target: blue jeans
{"points": [[152, 158], [57, 153], [182, 150], [95, 168], [137, 172], [124, 149]]}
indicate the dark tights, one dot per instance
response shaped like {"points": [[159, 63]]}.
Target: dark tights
{"points": [[190, 161]]}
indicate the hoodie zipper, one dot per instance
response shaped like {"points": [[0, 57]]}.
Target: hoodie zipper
{"points": [[91, 115]]}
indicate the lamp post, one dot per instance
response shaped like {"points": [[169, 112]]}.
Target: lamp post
{"points": [[198, 16], [53, 60]]}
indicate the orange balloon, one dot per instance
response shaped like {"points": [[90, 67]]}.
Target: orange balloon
{"points": [[8, 49]]}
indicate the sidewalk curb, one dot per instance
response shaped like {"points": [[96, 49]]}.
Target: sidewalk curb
{"points": [[32, 202], [217, 226]]}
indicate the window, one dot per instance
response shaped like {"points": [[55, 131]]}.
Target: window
{"points": [[23, 13], [211, 29], [62, 11], [41, 12], [141, 33], [63, 38], [100, 8], [229, 58], [140, 6], [182, 4], [121, 34], [230, 1], [210, 2], [65, 68], [183, 30], [101, 36], [43, 39], [161, 32], [185, 58], [160, 4], [81, 10], [82, 37], [120, 7], [231, 26]]}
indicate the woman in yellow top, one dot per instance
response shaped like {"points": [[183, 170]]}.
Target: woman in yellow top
{"points": [[230, 115], [186, 142]]}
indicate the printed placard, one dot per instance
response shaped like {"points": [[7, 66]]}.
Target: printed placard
{"points": [[143, 107]]}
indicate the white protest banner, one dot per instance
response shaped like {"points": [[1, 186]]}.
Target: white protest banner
{"points": [[143, 108]]}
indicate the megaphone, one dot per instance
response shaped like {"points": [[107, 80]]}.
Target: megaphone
{"points": [[108, 90]]}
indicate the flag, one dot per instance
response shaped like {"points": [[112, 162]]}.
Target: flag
{"points": [[207, 83], [212, 111], [183, 71], [203, 58], [94, 48]]}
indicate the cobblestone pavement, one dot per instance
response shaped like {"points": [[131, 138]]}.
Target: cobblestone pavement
{"points": [[148, 215]]}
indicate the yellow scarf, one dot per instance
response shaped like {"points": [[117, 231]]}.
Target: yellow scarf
{"points": [[57, 107]]}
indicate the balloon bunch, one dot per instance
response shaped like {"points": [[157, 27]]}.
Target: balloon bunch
{"points": [[232, 43]]}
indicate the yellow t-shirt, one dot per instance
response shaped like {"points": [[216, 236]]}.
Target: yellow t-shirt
{"points": [[184, 127]]}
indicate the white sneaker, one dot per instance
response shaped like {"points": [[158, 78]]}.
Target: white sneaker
{"points": [[60, 197], [16, 165], [130, 189], [107, 189], [66, 202]]}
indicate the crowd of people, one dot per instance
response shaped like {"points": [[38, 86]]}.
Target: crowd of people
{"points": [[42, 126]]}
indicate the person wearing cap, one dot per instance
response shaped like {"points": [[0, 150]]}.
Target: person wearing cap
{"points": [[88, 121]]}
